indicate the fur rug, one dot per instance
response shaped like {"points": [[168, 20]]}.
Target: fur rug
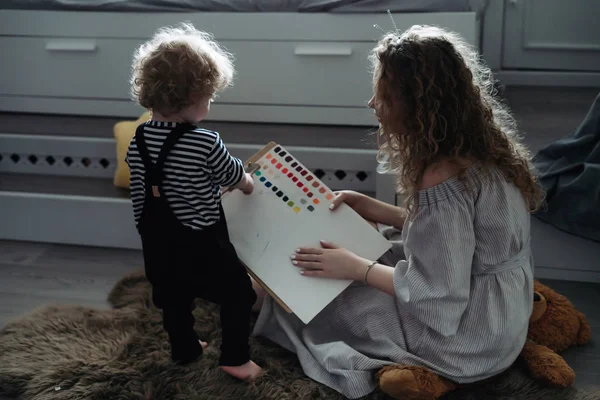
{"points": [[69, 353]]}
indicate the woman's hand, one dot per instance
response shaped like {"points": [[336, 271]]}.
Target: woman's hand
{"points": [[355, 200], [330, 261], [350, 197], [372, 210]]}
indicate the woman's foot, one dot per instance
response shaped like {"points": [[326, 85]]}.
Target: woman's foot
{"points": [[245, 372]]}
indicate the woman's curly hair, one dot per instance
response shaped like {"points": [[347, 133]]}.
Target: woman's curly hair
{"points": [[437, 100], [176, 64]]}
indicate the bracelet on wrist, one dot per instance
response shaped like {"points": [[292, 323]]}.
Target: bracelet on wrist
{"points": [[367, 272]]}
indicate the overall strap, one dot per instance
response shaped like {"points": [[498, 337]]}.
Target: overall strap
{"points": [[154, 171], [142, 149]]}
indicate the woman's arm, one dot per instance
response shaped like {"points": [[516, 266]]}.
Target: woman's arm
{"points": [[381, 277], [372, 209], [383, 213], [336, 263]]}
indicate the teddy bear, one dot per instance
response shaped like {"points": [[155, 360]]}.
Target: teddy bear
{"points": [[554, 326]]}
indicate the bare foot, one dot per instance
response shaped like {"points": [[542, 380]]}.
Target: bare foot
{"points": [[245, 372], [203, 344]]}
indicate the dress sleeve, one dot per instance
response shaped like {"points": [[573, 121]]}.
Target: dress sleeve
{"points": [[433, 283], [227, 170]]}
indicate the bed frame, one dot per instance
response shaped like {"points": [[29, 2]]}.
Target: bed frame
{"points": [[303, 81], [292, 67], [301, 78]]}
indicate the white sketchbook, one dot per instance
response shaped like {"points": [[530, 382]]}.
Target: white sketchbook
{"points": [[289, 208]]}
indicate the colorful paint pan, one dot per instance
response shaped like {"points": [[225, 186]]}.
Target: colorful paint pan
{"points": [[312, 189], [280, 194]]}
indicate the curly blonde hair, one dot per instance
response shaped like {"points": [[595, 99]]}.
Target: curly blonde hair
{"points": [[436, 100], [176, 64]]}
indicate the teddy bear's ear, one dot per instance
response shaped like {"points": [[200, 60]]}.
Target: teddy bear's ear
{"points": [[540, 305]]}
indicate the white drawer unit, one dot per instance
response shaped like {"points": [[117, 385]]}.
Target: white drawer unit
{"points": [[292, 68], [80, 68], [562, 36], [543, 43], [268, 73], [300, 73]]}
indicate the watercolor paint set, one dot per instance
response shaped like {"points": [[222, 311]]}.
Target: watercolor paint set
{"points": [[307, 192]]}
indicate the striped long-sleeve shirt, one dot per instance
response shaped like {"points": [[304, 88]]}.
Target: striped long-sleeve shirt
{"points": [[195, 170]]}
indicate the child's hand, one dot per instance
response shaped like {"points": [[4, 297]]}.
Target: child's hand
{"points": [[248, 185]]}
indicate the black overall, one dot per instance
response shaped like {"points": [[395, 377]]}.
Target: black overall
{"points": [[182, 264]]}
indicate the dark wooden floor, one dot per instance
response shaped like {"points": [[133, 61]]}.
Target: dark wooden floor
{"points": [[32, 275]]}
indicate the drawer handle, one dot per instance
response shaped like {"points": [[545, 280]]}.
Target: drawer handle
{"points": [[323, 50], [71, 45]]}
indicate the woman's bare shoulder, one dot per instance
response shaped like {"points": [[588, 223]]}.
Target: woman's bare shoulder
{"points": [[438, 173]]}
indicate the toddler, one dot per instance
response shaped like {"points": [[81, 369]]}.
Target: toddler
{"points": [[177, 171]]}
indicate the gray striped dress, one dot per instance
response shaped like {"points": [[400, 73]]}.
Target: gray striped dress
{"points": [[463, 284]]}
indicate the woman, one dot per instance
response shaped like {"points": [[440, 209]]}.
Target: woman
{"points": [[454, 294]]}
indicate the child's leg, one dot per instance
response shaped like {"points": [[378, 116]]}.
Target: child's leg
{"points": [[233, 290], [236, 311], [168, 294], [231, 287], [178, 321]]}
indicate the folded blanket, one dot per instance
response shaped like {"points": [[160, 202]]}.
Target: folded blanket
{"points": [[569, 171]]}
